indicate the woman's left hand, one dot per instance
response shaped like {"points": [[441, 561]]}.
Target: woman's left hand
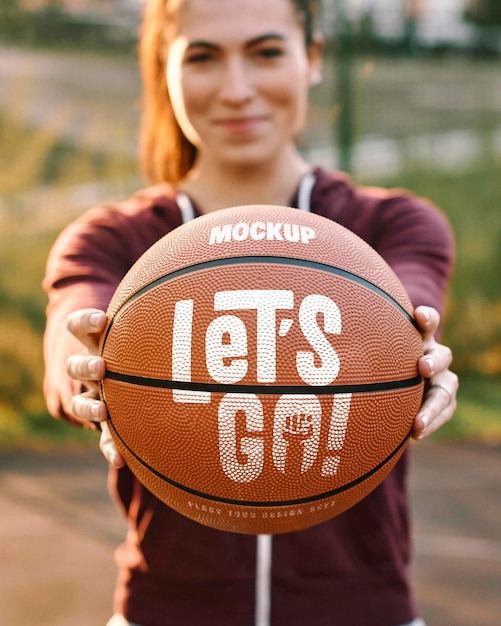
{"points": [[441, 385]]}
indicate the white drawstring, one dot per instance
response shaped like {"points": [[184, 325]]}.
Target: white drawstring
{"points": [[264, 548], [304, 193], [264, 543], [263, 580], [185, 206]]}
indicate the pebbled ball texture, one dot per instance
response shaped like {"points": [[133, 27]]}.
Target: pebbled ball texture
{"points": [[261, 369]]}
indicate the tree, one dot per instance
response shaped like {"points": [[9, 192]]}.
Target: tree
{"points": [[13, 21], [484, 12]]}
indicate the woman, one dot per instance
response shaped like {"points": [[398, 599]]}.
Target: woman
{"points": [[226, 88]]}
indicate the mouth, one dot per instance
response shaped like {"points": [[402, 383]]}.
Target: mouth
{"points": [[240, 124]]}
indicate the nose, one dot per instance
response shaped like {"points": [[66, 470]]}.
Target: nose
{"points": [[236, 82]]}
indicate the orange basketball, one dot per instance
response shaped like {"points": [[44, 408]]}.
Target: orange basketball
{"points": [[261, 369]]}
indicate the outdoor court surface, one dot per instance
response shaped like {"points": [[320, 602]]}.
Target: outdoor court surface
{"points": [[58, 530]]}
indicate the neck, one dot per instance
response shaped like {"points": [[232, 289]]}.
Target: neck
{"points": [[213, 187]]}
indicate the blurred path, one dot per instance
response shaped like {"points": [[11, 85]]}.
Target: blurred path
{"points": [[58, 530], [456, 491]]}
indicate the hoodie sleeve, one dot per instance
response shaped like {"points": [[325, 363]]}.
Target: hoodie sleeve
{"points": [[83, 270], [417, 242]]}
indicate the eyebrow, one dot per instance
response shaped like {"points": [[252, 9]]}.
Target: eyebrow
{"points": [[253, 42]]}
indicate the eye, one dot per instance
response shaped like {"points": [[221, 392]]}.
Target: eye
{"points": [[270, 52], [198, 58], [200, 54]]}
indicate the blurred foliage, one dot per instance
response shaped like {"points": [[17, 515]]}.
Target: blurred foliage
{"points": [[477, 415], [485, 15], [23, 416], [42, 157], [14, 23], [484, 12], [51, 26]]}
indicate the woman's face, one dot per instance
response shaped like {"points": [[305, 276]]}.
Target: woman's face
{"points": [[238, 74]]}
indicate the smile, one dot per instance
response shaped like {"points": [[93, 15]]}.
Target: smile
{"points": [[240, 124]]}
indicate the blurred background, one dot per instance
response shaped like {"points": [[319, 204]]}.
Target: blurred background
{"points": [[411, 98]]}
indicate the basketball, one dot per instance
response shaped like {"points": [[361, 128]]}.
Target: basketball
{"points": [[261, 369]]}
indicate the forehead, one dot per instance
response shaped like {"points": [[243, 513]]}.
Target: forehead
{"points": [[236, 20]]}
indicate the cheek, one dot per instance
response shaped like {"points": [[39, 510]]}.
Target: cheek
{"points": [[290, 93], [196, 94], [290, 85]]}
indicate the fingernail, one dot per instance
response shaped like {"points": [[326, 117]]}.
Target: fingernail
{"points": [[112, 458], [94, 409], [92, 366], [424, 419], [95, 319], [431, 364]]}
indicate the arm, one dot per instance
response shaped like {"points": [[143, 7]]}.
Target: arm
{"points": [[417, 242], [84, 267]]}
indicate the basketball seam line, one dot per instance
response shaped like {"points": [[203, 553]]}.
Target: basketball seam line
{"points": [[160, 383], [278, 503], [273, 260]]}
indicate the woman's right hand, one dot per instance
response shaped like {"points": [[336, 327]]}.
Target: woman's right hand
{"points": [[88, 368]]}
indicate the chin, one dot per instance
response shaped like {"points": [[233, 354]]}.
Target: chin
{"points": [[249, 156]]}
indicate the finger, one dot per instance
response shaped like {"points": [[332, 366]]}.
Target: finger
{"points": [[436, 359], [438, 406], [85, 368], [428, 320], [421, 432], [88, 407], [87, 325], [108, 448]]}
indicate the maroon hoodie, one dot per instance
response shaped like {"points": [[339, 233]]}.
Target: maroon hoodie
{"points": [[350, 571]]}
